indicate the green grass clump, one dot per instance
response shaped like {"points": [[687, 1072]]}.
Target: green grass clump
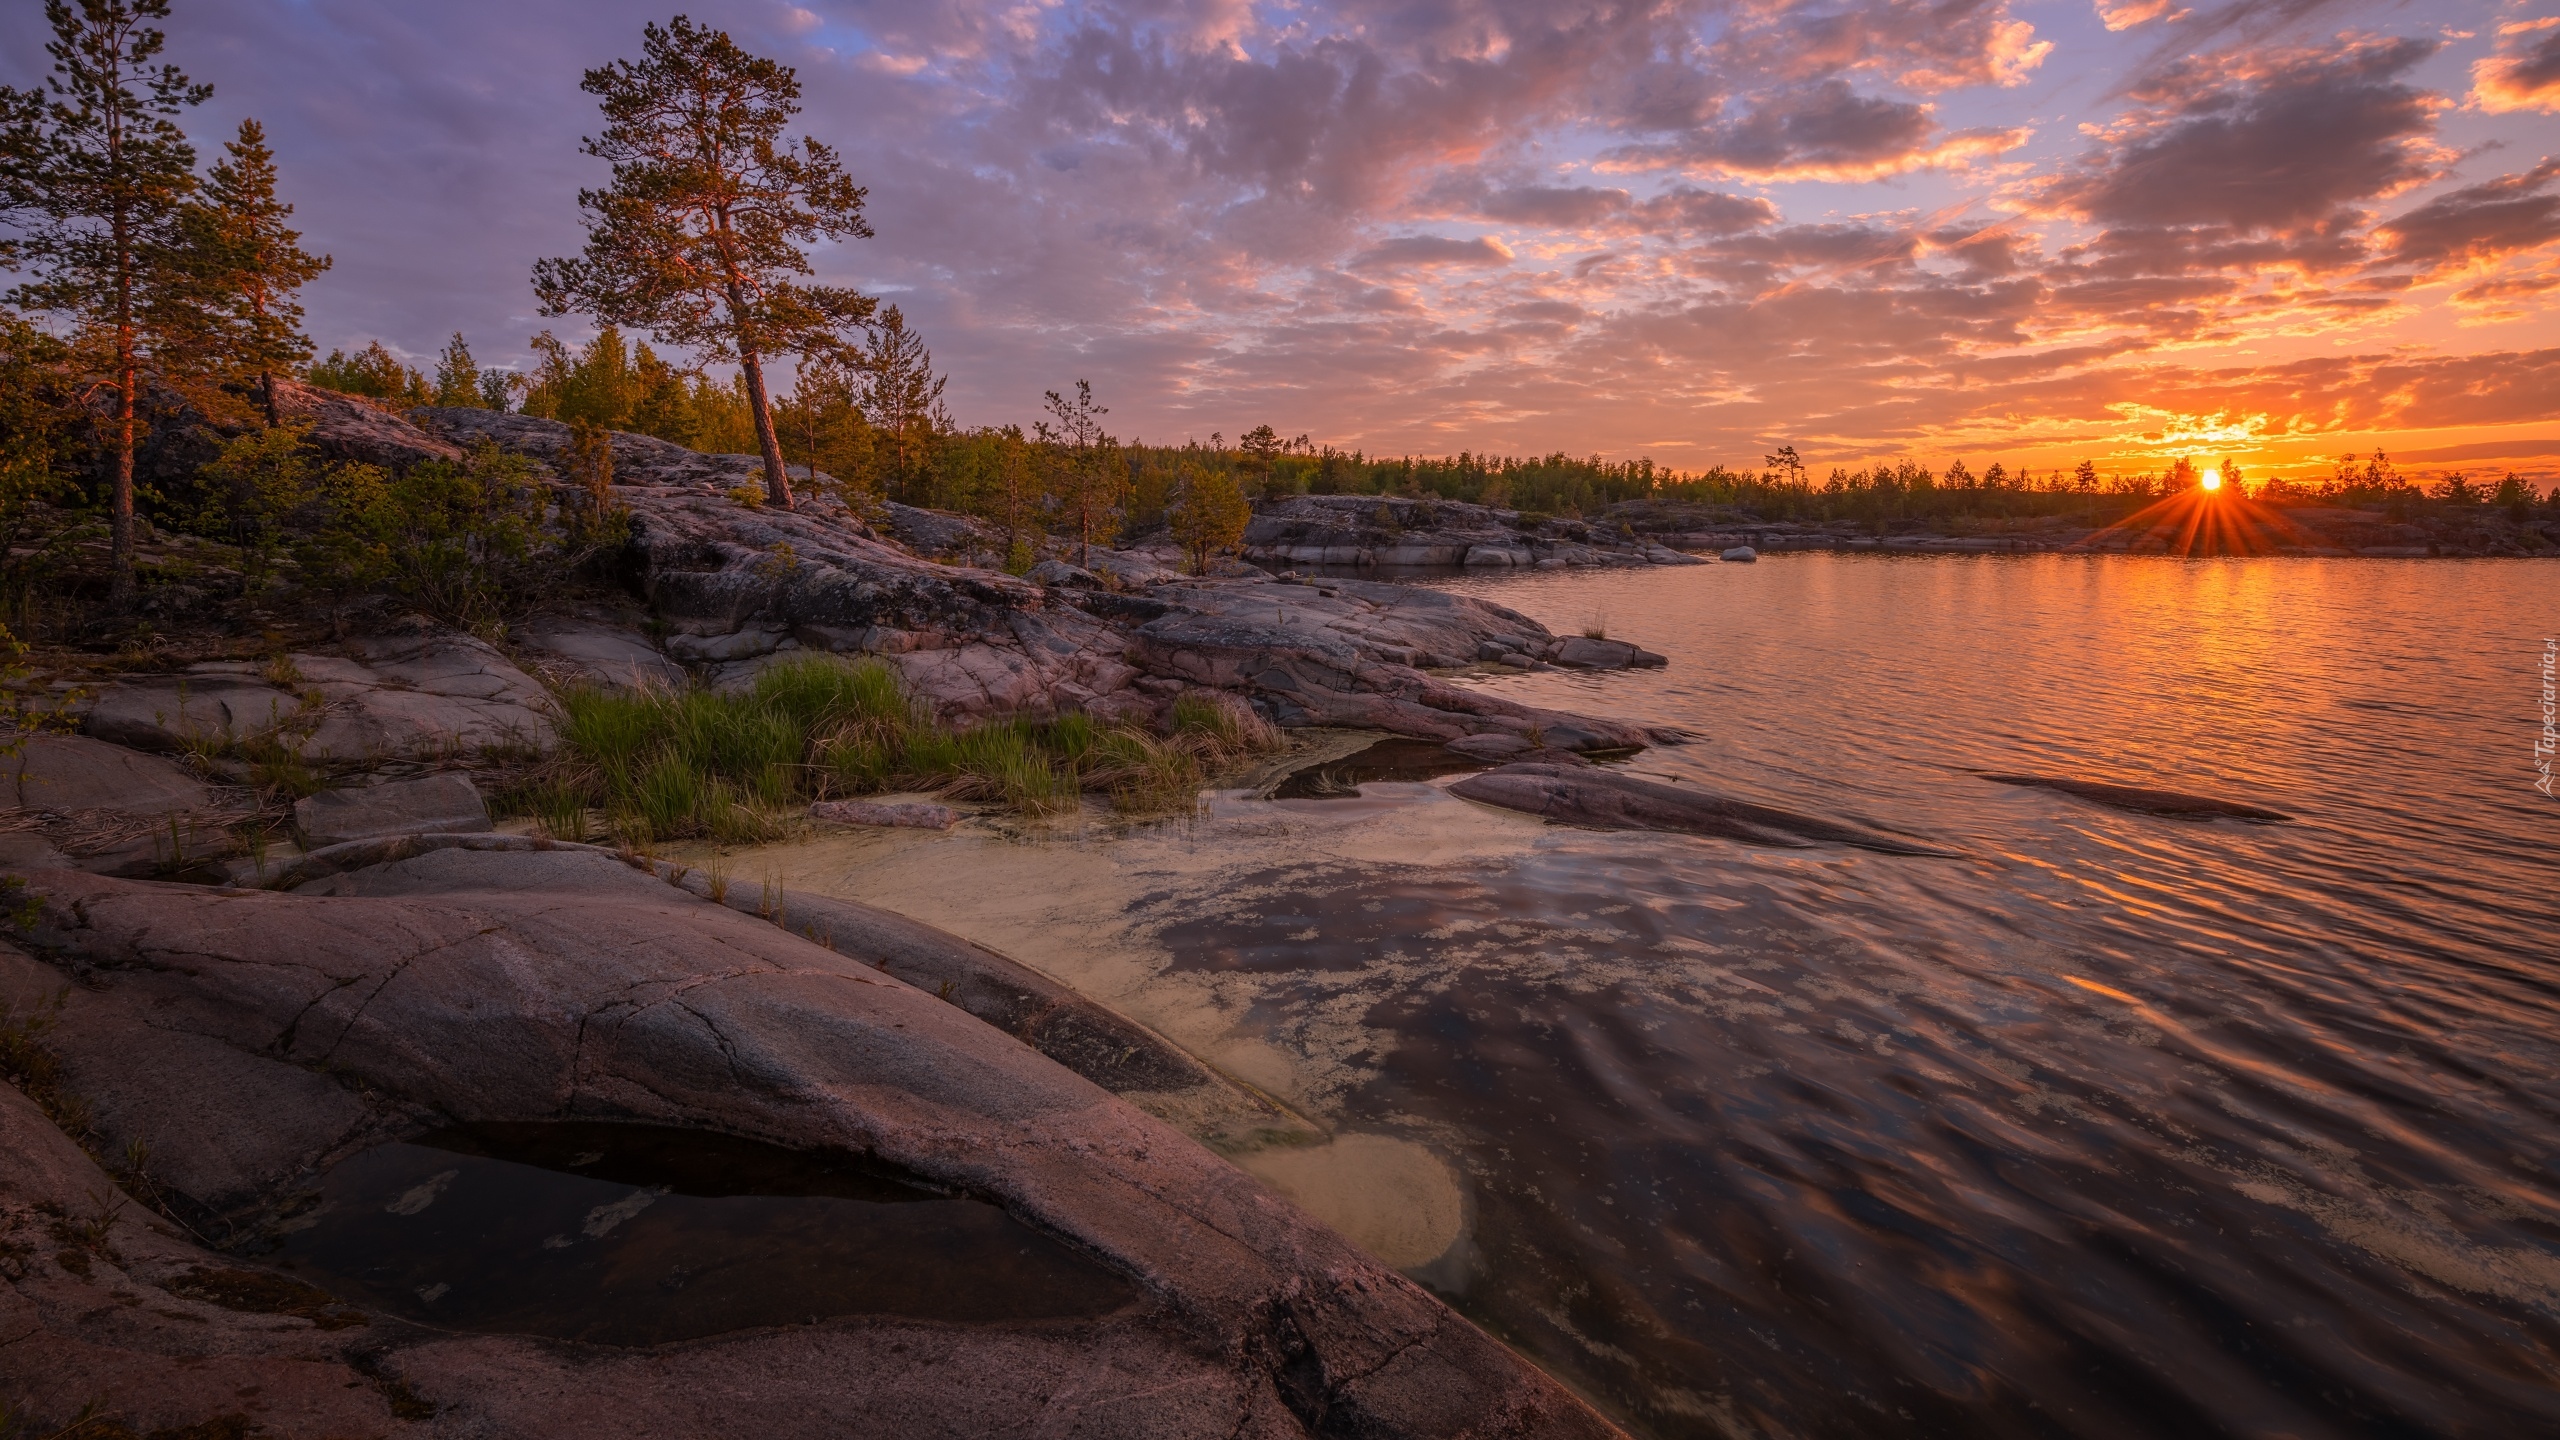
{"points": [[733, 766]]}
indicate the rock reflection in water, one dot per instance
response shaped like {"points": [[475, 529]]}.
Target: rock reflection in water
{"points": [[637, 1235]]}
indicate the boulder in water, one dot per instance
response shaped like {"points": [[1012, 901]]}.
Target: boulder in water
{"points": [[1740, 555]]}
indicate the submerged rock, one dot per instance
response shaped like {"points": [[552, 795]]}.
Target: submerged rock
{"points": [[293, 1027], [1582, 652], [2144, 801], [1602, 799]]}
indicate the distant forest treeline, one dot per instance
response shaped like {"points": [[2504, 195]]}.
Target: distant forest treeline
{"points": [[867, 429]]}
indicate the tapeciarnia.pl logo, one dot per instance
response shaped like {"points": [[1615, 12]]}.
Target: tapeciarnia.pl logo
{"points": [[2549, 740]]}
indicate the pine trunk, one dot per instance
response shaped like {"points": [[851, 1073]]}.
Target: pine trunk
{"points": [[777, 481], [120, 503]]}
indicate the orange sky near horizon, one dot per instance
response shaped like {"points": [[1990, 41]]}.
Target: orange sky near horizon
{"points": [[2019, 231]]}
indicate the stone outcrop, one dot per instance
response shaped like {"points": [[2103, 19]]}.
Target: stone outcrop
{"points": [[1371, 530], [1601, 799], [68, 773], [81, 801], [737, 585], [446, 804], [642, 460], [598, 654], [258, 1035], [346, 427], [1351, 654], [420, 691]]}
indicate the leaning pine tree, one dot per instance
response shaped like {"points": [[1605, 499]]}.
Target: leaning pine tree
{"points": [[701, 234], [95, 177]]}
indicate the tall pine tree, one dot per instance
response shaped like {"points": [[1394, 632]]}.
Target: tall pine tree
{"points": [[901, 396], [246, 265], [95, 175], [700, 236]]}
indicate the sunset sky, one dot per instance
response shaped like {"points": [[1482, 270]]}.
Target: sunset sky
{"points": [[2016, 230]]}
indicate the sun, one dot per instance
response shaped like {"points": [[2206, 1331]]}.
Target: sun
{"points": [[2212, 480]]}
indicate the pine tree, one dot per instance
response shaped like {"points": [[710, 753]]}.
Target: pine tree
{"points": [[458, 375], [95, 175], [699, 237], [1208, 512], [1260, 448], [1087, 474], [245, 265], [901, 396]]}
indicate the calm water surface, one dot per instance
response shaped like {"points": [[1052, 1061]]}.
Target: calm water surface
{"points": [[2120, 1126], [2115, 1126]]}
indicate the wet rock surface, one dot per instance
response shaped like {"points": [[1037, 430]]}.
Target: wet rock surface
{"points": [[562, 984], [2143, 800], [638, 1235], [1603, 799]]}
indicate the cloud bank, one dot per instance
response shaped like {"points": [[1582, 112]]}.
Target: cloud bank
{"points": [[1698, 230]]}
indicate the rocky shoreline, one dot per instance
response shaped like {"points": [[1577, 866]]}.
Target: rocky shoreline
{"points": [[202, 1039], [203, 1030]]}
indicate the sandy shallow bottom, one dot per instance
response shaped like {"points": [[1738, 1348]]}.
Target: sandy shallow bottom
{"points": [[1087, 902]]}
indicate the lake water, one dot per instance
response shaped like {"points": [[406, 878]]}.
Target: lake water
{"points": [[2114, 1126]]}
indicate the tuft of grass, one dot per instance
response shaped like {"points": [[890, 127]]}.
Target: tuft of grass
{"points": [[559, 807], [1226, 725], [735, 766], [277, 769], [1596, 628], [1145, 775]]}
